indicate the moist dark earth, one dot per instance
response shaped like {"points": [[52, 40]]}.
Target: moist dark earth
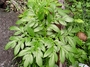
{"points": [[7, 19]]}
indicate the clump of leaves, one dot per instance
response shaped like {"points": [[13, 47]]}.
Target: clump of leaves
{"points": [[16, 5], [80, 11], [38, 40]]}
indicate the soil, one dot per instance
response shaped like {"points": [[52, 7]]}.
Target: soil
{"points": [[7, 19]]}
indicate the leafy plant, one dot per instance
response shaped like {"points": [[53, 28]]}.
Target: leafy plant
{"points": [[16, 5], [80, 11], [38, 39]]}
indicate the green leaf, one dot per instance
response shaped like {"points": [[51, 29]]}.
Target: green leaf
{"points": [[14, 28], [15, 38], [79, 5], [27, 39], [24, 52], [31, 24], [28, 60], [55, 57], [62, 55], [42, 47], [39, 59], [70, 49], [17, 48], [84, 56], [71, 58], [48, 42], [49, 18], [51, 61], [71, 41], [30, 31], [53, 5], [19, 22], [62, 22], [31, 59], [41, 16], [50, 9], [59, 43], [17, 33], [54, 27], [61, 12], [22, 45], [67, 18], [26, 63], [79, 21], [78, 41], [14, 44], [22, 29], [28, 43], [23, 20], [30, 3], [38, 29], [89, 47], [40, 53], [35, 25], [10, 44], [48, 52], [49, 33], [75, 30], [69, 28], [81, 52]]}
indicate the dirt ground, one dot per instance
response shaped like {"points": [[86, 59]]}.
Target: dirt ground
{"points": [[7, 19]]}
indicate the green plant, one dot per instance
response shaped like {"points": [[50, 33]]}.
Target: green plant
{"points": [[16, 5], [38, 40], [80, 11]]}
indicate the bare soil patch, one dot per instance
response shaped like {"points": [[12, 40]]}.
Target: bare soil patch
{"points": [[7, 19]]}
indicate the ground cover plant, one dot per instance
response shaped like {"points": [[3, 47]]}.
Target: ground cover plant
{"points": [[46, 34]]}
